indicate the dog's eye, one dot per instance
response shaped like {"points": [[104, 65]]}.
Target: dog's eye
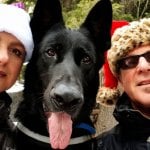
{"points": [[86, 60], [51, 52]]}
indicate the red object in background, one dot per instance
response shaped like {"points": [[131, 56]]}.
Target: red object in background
{"points": [[109, 80]]}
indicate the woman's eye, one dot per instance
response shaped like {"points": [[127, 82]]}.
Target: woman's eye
{"points": [[86, 60], [17, 52], [51, 52]]}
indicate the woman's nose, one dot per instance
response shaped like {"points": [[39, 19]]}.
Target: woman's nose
{"points": [[3, 56]]}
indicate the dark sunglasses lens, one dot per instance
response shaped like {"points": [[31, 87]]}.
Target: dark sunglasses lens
{"points": [[132, 61], [129, 62], [147, 56]]}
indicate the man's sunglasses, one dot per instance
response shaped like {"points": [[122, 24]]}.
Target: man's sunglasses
{"points": [[132, 61]]}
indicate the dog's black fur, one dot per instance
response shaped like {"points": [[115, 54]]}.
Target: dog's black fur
{"points": [[63, 73]]}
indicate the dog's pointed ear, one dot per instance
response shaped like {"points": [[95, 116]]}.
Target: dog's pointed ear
{"points": [[46, 13], [98, 23]]}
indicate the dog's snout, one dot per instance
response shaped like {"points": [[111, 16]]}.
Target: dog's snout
{"points": [[67, 95]]}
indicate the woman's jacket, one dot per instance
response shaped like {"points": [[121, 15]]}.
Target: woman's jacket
{"points": [[6, 126]]}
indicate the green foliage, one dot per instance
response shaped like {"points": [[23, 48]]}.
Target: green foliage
{"points": [[147, 15], [21, 76], [76, 10], [118, 13], [131, 9], [29, 6], [76, 16]]}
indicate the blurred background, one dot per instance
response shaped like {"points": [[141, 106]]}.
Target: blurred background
{"points": [[76, 10]]}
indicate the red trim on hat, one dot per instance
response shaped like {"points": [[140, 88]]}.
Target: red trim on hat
{"points": [[109, 80], [117, 24]]}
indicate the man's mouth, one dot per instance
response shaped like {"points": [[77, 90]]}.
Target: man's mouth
{"points": [[143, 83]]}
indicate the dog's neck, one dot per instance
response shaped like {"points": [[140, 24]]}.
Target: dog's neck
{"points": [[45, 139]]}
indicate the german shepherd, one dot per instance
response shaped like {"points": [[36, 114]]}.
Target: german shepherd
{"points": [[62, 79]]}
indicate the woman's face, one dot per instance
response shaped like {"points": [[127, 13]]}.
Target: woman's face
{"points": [[136, 81], [12, 55]]}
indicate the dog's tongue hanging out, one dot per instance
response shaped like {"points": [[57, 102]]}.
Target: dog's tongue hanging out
{"points": [[60, 129]]}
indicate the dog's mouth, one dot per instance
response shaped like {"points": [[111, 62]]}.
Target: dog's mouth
{"points": [[61, 105], [59, 128], [59, 124]]}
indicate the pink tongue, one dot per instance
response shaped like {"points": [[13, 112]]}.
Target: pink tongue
{"points": [[60, 129]]}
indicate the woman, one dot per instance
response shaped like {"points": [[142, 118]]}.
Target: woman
{"points": [[16, 46]]}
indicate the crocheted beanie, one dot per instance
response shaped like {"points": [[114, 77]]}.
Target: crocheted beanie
{"points": [[16, 21], [124, 40]]}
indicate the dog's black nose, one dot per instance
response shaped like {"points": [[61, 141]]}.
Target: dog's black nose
{"points": [[67, 95]]}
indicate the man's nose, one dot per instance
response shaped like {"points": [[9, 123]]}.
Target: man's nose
{"points": [[143, 64]]}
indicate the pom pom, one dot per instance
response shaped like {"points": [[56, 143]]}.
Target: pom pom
{"points": [[107, 96]]}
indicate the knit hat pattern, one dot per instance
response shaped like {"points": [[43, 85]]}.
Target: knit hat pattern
{"points": [[16, 21], [125, 39]]}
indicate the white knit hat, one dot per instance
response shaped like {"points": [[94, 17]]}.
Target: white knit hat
{"points": [[16, 21]]}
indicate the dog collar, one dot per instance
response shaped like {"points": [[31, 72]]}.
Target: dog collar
{"points": [[45, 139], [87, 127]]}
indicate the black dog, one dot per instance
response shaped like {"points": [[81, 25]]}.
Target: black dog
{"points": [[62, 79]]}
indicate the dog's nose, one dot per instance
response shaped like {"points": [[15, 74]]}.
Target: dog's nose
{"points": [[67, 95]]}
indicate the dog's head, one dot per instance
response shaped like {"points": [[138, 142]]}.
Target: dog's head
{"points": [[61, 79]]}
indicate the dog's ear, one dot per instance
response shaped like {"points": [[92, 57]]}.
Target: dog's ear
{"points": [[98, 22], [46, 13]]}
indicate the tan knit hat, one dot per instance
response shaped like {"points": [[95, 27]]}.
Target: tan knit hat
{"points": [[124, 40]]}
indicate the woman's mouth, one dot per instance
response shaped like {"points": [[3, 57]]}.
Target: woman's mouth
{"points": [[2, 74]]}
